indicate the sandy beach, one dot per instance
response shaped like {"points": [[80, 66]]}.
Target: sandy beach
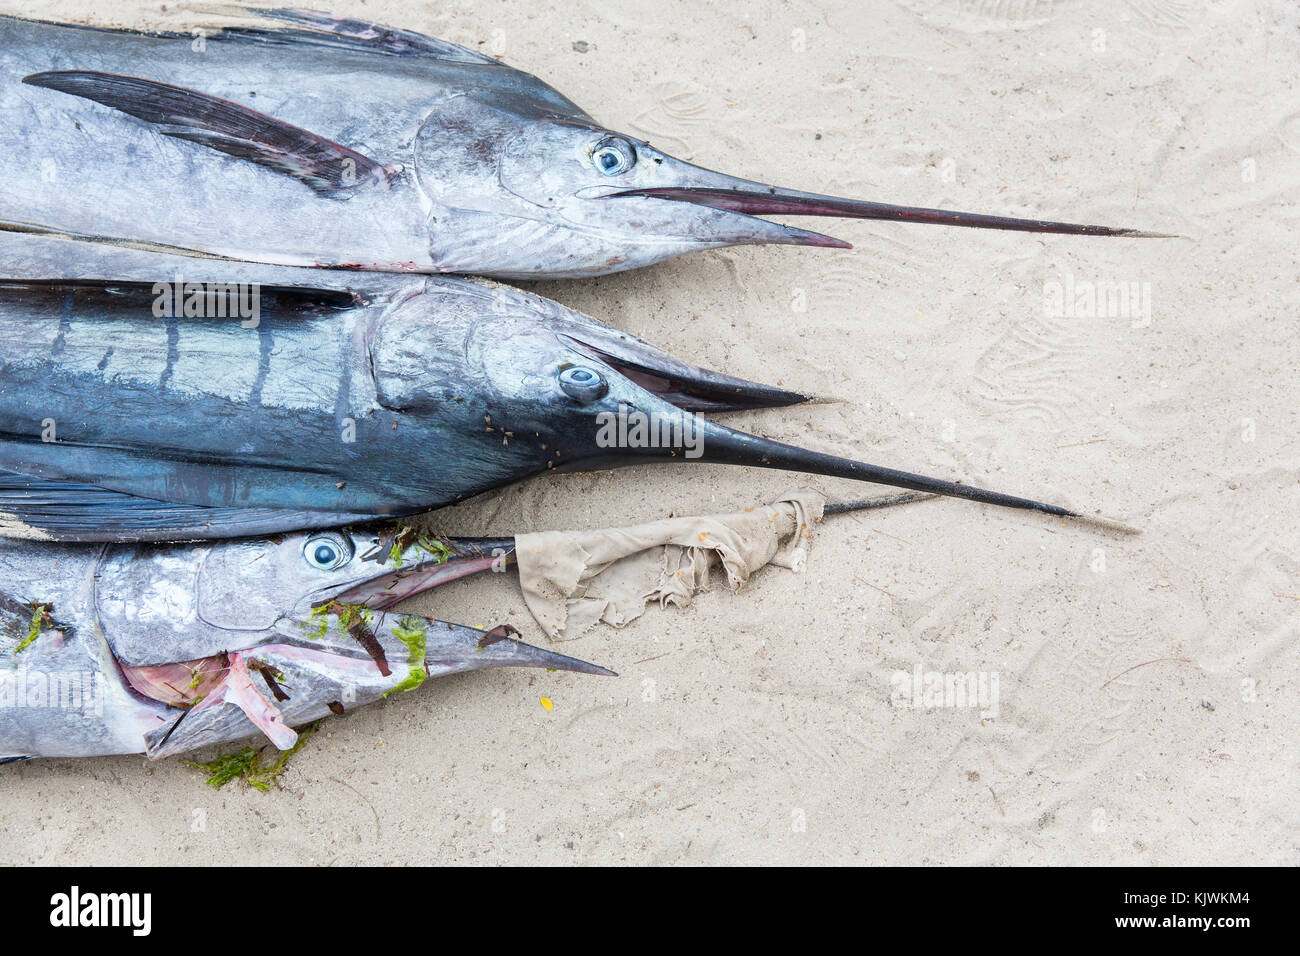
{"points": [[1138, 686]]}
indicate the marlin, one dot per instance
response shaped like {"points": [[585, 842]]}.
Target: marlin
{"points": [[165, 648], [162, 649], [339, 406], [330, 141]]}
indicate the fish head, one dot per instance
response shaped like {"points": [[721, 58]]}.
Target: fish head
{"points": [[560, 391], [527, 185], [566, 393], [291, 629], [161, 603], [493, 384], [291, 583], [495, 387], [523, 189]]}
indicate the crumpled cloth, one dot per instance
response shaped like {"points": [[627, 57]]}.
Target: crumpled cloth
{"points": [[574, 579]]}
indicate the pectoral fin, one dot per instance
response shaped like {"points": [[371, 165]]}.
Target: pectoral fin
{"points": [[48, 509], [325, 166]]}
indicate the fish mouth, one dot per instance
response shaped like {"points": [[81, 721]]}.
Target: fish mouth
{"points": [[756, 199], [420, 563], [281, 685], [629, 423], [684, 385], [351, 643], [408, 564]]}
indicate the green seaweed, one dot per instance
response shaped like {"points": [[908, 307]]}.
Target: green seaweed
{"points": [[349, 614], [246, 765], [40, 617], [434, 548], [229, 767], [430, 545], [413, 632], [317, 624]]}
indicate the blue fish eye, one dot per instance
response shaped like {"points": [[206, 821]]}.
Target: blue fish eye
{"points": [[582, 384], [327, 552], [612, 157]]}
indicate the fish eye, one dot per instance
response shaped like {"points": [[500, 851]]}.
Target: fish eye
{"points": [[327, 552], [583, 384], [613, 156]]}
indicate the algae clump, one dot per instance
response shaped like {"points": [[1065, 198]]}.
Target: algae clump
{"points": [[413, 632], [247, 765], [40, 617]]}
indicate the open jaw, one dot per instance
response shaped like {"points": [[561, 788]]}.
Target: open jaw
{"points": [[682, 384], [423, 564], [341, 656], [276, 686], [755, 199]]}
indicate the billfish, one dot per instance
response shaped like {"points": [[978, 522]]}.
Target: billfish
{"points": [[165, 648], [162, 649], [336, 142], [161, 412]]}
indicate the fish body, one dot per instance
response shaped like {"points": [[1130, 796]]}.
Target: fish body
{"points": [[339, 143], [333, 406], [126, 422], [161, 649]]}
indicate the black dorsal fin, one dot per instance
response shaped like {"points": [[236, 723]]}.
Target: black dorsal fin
{"points": [[324, 165], [281, 300]]}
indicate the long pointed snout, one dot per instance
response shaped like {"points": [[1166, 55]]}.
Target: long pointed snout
{"points": [[667, 433], [704, 187], [644, 407], [721, 445]]}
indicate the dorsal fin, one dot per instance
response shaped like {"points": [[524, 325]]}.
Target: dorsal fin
{"points": [[326, 166], [281, 300], [345, 33]]}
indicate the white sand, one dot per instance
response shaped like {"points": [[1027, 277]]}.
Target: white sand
{"points": [[761, 727]]}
